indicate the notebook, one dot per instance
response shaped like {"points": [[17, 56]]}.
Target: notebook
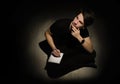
{"points": [[54, 59]]}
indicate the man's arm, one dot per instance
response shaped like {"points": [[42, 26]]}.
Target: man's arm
{"points": [[48, 36], [49, 39], [87, 44]]}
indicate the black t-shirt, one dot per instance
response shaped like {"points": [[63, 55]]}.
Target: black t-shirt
{"points": [[60, 28], [75, 56], [62, 35]]}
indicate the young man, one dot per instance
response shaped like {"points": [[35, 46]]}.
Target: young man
{"points": [[71, 37]]}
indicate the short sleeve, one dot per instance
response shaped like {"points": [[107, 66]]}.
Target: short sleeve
{"points": [[60, 27], [84, 32], [52, 27], [56, 27]]}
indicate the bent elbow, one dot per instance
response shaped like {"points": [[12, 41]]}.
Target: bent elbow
{"points": [[45, 33], [91, 50]]}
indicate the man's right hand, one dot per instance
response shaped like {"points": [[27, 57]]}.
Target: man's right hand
{"points": [[56, 52]]}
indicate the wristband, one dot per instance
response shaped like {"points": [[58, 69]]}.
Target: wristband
{"points": [[82, 41]]}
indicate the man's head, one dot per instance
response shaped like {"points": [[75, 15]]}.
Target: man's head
{"points": [[84, 18]]}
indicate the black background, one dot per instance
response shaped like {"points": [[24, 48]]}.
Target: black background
{"points": [[18, 14]]}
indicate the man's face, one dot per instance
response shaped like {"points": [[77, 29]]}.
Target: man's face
{"points": [[78, 21]]}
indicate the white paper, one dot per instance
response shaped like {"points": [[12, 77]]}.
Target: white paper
{"points": [[54, 59]]}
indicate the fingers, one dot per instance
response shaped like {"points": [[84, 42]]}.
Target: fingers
{"points": [[72, 25], [75, 31], [74, 28], [56, 52]]}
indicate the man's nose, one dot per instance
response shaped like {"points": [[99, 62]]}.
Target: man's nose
{"points": [[76, 21]]}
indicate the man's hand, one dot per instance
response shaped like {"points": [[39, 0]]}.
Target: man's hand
{"points": [[56, 52], [75, 32]]}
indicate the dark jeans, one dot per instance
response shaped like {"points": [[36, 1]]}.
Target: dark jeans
{"points": [[72, 60]]}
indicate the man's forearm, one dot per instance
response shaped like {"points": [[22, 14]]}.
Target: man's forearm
{"points": [[50, 40], [86, 44]]}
